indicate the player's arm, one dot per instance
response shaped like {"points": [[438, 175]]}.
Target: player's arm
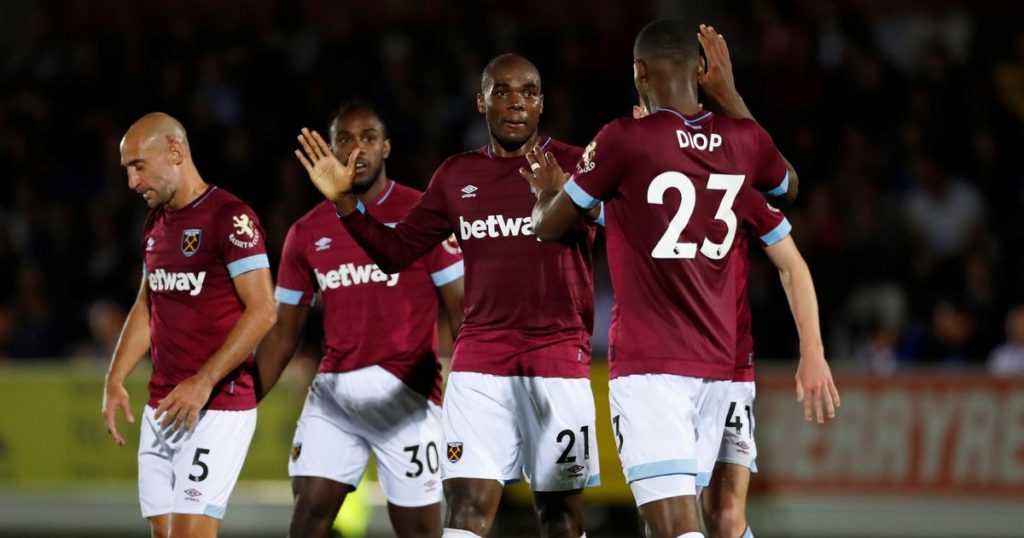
{"points": [[814, 384], [718, 83], [392, 249], [278, 347], [554, 214], [132, 345], [183, 404]]}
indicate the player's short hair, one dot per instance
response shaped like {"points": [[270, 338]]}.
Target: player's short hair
{"points": [[671, 39], [487, 77], [356, 103]]}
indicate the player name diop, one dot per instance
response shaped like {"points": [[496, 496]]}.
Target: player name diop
{"points": [[698, 141]]}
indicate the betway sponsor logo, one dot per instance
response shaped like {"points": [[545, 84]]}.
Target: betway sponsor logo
{"points": [[350, 274], [495, 226], [160, 280]]}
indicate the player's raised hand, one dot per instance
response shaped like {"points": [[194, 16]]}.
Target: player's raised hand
{"points": [[544, 175], [116, 397], [816, 389], [182, 406], [332, 178], [717, 79]]}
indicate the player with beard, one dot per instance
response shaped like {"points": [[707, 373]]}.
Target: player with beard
{"points": [[378, 388], [204, 303], [518, 401]]}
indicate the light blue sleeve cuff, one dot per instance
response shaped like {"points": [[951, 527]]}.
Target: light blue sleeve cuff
{"points": [[144, 272], [579, 196], [287, 296], [251, 263], [359, 207], [782, 188], [600, 217], [778, 234], [448, 274]]}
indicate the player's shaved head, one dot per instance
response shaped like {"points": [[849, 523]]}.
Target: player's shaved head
{"points": [[502, 62], [156, 126], [670, 40]]}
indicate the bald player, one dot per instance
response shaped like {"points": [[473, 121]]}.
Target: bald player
{"points": [[204, 303], [518, 401]]}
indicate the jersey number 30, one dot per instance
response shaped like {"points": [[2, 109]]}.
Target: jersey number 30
{"points": [[669, 246]]}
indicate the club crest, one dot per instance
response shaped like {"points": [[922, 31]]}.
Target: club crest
{"points": [[190, 241], [454, 452]]}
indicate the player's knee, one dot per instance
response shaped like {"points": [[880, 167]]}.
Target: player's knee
{"points": [[417, 527], [558, 521], [311, 517], [159, 531], [468, 516]]}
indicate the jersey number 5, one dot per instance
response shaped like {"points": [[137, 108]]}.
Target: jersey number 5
{"points": [[668, 246]]}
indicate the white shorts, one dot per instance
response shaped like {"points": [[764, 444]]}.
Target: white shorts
{"points": [[504, 427], [192, 472], [349, 414], [667, 425], [738, 445]]}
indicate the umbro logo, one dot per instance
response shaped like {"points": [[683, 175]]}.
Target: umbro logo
{"points": [[469, 191], [323, 243], [191, 492]]}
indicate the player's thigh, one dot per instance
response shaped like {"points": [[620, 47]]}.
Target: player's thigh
{"points": [[207, 465], [160, 526], [482, 440], [156, 472], [194, 526], [317, 498], [557, 421], [416, 522], [409, 454], [738, 442], [654, 421], [728, 488], [712, 404], [326, 443]]}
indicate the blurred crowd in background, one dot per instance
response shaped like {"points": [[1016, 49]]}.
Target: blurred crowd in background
{"points": [[903, 118]]}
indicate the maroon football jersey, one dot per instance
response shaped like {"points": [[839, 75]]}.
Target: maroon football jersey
{"points": [[529, 304], [370, 317], [191, 255], [680, 188], [743, 370]]}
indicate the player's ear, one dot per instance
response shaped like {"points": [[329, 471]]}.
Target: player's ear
{"points": [[481, 107], [702, 66], [541, 110], [175, 151], [639, 70], [387, 147]]}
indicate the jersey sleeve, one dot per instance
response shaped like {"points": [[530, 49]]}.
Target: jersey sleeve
{"points": [[422, 229], [599, 171], [241, 240], [295, 284], [771, 176], [762, 220], [444, 262]]}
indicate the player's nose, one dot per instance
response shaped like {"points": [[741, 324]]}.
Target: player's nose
{"points": [[133, 179]]}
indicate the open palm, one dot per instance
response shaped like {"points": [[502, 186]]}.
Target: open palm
{"points": [[332, 178]]}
